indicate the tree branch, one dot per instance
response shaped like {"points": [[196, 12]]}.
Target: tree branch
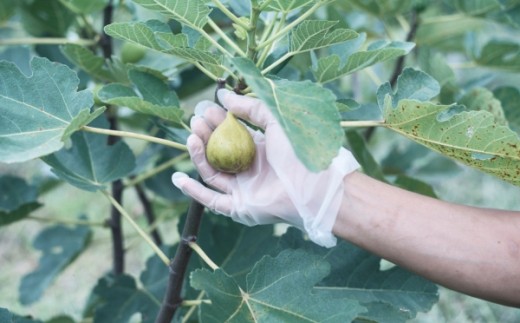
{"points": [[399, 65], [173, 300], [149, 213], [118, 248]]}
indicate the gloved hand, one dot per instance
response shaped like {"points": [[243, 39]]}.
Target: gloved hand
{"points": [[278, 187]]}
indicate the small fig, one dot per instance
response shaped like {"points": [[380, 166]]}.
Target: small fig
{"points": [[230, 147], [132, 53]]}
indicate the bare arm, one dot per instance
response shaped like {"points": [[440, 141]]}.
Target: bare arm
{"points": [[472, 250]]}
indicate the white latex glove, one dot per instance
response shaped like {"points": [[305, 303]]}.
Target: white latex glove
{"points": [[278, 187]]}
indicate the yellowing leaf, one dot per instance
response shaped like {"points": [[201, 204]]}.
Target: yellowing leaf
{"points": [[471, 137]]}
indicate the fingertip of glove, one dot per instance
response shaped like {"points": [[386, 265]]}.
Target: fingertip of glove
{"points": [[222, 94], [194, 144], [179, 179], [202, 106]]}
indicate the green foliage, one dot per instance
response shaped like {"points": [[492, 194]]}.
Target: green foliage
{"points": [[276, 289], [191, 13], [18, 199], [411, 84], [59, 246], [91, 163], [333, 67], [315, 34], [468, 136], [293, 103], [441, 74], [46, 18], [120, 298], [151, 96], [88, 61], [8, 317], [36, 111]]}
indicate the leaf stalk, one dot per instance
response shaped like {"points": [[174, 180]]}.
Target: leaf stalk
{"points": [[140, 231], [46, 41], [156, 170], [193, 245], [224, 37], [291, 25], [230, 15], [362, 123], [195, 302], [134, 135]]}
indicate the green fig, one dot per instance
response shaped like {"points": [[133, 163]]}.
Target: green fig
{"points": [[230, 147], [132, 53]]}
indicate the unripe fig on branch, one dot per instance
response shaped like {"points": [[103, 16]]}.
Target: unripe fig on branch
{"points": [[230, 147]]}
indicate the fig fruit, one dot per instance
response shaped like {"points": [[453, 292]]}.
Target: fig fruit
{"points": [[132, 53], [230, 147]]}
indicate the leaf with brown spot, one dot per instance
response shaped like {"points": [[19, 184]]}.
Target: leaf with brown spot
{"points": [[471, 137]]}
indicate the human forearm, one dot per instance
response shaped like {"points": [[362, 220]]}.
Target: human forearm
{"points": [[475, 251]]}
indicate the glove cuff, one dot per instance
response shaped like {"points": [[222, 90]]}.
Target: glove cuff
{"points": [[319, 211]]}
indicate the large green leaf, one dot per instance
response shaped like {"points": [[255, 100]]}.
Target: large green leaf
{"points": [[8, 317], [120, 298], [331, 67], [193, 13], [151, 96], [91, 164], [158, 36], [501, 55], [178, 45], [438, 32], [287, 5], [116, 299], [59, 245], [509, 97], [15, 192], [471, 137], [154, 278], [18, 214], [314, 34], [356, 274], [482, 99], [17, 199], [276, 289], [85, 59], [45, 18], [37, 110], [142, 33], [250, 245], [411, 84], [301, 108], [435, 65]]}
